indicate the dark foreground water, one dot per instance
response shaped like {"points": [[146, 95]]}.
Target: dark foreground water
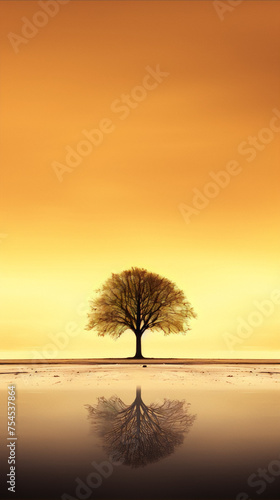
{"points": [[150, 443]]}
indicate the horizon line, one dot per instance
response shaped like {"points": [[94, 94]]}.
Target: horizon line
{"points": [[140, 361]]}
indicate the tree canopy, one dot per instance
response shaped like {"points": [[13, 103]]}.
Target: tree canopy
{"points": [[139, 300]]}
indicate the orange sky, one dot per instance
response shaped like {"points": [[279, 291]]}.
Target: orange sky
{"points": [[122, 205]]}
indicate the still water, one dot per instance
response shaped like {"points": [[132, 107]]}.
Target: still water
{"points": [[149, 442]]}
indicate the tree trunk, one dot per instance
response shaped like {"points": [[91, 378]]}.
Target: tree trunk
{"points": [[138, 394], [138, 354], [138, 401]]}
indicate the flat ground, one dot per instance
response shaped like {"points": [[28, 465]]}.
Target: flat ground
{"points": [[192, 375]]}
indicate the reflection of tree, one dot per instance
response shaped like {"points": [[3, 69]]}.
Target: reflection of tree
{"points": [[138, 434]]}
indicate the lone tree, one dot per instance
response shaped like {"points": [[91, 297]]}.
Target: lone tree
{"points": [[139, 300], [138, 434]]}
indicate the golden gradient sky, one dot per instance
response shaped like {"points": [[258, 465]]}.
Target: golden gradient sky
{"points": [[120, 206]]}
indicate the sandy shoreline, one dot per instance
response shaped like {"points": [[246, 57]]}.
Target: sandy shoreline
{"points": [[224, 376]]}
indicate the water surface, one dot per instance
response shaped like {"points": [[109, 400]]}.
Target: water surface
{"points": [[155, 440]]}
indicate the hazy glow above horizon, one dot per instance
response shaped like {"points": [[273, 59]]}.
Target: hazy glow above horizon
{"points": [[120, 206]]}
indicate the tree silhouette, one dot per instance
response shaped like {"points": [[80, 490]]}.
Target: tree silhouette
{"points": [[138, 434], [139, 300]]}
